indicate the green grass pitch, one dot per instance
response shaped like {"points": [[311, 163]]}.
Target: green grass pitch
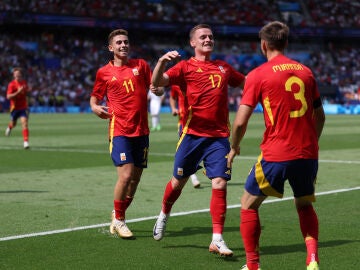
{"points": [[56, 199]]}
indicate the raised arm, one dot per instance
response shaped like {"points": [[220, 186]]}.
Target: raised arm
{"points": [[159, 78]]}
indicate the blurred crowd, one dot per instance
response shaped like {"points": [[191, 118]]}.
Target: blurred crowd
{"points": [[60, 65], [343, 13], [338, 13], [58, 73], [153, 10]]}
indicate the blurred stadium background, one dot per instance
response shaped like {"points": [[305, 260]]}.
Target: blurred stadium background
{"points": [[64, 182], [61, 44]]}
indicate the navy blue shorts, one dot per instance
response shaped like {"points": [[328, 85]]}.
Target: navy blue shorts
{"points": [[125, 150], [268, 178], [16, 114], [192, 150]]}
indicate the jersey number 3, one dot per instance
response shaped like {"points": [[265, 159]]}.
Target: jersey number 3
{"points": [[300, 95]]}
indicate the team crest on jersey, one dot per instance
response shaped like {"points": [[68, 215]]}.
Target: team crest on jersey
{"points": [[122, 156], [222, 69], [180, 171], [135, 71]]}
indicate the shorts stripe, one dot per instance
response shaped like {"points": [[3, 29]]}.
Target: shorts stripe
{"points": [[184, 129], [180, 140], [268, 178], [263, 183], [111, 133]]}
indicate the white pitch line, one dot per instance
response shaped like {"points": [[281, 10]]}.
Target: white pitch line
{"points": [[340, 161], [8, 238]]}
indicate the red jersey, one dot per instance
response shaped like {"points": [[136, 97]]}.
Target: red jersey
{"points": [[205, 84], [286, 90], [177, 94], [126, 89], [20, 101]]}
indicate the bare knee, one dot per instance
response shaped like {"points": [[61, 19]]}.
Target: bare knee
{"points": [[302, 202], [218, 183], [249, 201], [178, 183]]}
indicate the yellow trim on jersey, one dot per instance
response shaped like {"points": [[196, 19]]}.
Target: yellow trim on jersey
{"points": [[263, 183], [185, 128], [111, 132]]}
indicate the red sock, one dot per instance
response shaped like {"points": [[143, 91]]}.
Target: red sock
{"points": [[25, 133], [10, 126], [309, 226], [311, 247], [170, 197], [120, 208], [128, 200], [218, 210], [250, 230]]}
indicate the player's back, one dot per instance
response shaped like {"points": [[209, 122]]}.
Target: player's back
{"points": [[287, 90]]}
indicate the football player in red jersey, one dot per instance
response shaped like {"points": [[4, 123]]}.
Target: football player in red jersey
{"points": [[294, 119], [124, 82], [205, 134], [17, 94]]}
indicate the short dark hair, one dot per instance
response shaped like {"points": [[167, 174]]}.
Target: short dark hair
{"points": [[196, 27], [276, 34], [116, 33], [17, 69]]}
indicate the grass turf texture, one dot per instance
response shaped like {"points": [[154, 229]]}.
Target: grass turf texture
{"points": [[66, 180]]}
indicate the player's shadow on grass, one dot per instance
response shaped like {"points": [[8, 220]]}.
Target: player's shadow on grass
{"points": [[170, 240], [207, 185], [185, 231], [233, 182], [22, 191], [196, 230], [284, 249], [237, 256]]}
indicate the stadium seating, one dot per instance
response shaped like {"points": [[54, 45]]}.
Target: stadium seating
{"points": [[60, 62]]}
